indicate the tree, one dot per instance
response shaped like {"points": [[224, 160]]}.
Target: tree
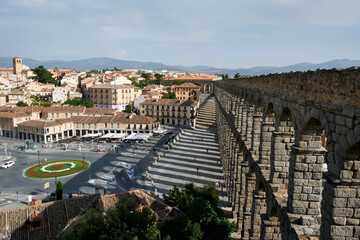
{"points": [[130, 108], [197, 83], [201, 206], [168, 95], [21, 104], [237, 75], [44, 76], [182, 228], [124, 221], [59, 190], [159, 78], [78, 101], [147, 76]]}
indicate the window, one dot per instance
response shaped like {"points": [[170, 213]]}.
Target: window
{"points": [[57, 115], [95, 125], [77, 125], [52, 115], [105, 125], [83, 125], [118, 125], [66, 115], [112, 125]]}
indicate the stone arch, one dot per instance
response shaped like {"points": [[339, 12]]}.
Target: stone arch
{"points": [[270, 225], [266, 131], [341, 202], [282, 140], [249, 122], [258, 208], [211, 87], [257, 118], [305, 174], [311, 115], [244, 115], [248, 203]]}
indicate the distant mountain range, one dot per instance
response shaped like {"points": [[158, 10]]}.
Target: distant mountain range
{"points": [[104, 62]]}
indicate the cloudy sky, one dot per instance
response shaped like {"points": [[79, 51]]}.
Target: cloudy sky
{"points": [[221, 33]]}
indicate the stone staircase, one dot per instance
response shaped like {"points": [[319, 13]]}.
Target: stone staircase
{"points": [[206, 115]]}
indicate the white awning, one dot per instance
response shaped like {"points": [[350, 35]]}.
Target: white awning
{"points": [[118, 135], [91, 135], [109, 135]]}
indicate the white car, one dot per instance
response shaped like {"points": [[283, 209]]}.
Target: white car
{"points": [[8, 164]]}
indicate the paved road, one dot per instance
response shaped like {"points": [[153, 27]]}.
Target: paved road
{"points": [[102, 171]]}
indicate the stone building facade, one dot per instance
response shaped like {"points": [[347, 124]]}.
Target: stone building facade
{"points": [[51, 124], [113, 96], [186, 91], [171, 111], [290, 149]]}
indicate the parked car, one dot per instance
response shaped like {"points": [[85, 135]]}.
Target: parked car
{"points": [[8, 164]]}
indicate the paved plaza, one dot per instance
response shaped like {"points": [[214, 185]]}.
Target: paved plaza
{"points": [[194, 158]]}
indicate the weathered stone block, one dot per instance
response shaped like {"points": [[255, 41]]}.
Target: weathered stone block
{"points": [[302, 167], [352, 221], [343, 212], [310, 159], [340, 220], [300, 204], [307, 189], [313, 197], [342, 231], [297, 210], [354, 202], [301, 182]]}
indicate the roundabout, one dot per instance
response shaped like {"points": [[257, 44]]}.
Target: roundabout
{"points": [[58, 168]]}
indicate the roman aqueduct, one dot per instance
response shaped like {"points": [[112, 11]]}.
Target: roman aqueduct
{"points": [[290, 147]]}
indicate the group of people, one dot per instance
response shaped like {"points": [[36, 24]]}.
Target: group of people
{"points": [[219, 185]]}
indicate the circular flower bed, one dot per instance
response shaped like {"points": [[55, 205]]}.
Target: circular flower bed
{"points": [[57, 168]]}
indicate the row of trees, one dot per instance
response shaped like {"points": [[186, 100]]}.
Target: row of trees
{"points": [[203, 219], [41, 102], [78, 101]]}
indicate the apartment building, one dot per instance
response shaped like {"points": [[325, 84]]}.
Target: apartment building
{"points": [[187, 91], [17, 95], [171, 111], [113, 96], [51, 124]]}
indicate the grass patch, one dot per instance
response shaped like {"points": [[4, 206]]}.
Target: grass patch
{"points": [[57, 168]]}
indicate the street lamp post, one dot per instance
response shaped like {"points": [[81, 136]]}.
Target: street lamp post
{"points": [[5, 144], [38, 154], [83, 157]]}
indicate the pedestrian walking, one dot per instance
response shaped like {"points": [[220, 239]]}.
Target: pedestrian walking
{"points": [[194, 159], [164, 154], [197, 169], [207, 150]]}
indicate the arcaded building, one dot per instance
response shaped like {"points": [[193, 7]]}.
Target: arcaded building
{"points": [[51, 124], [171, 111]]}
